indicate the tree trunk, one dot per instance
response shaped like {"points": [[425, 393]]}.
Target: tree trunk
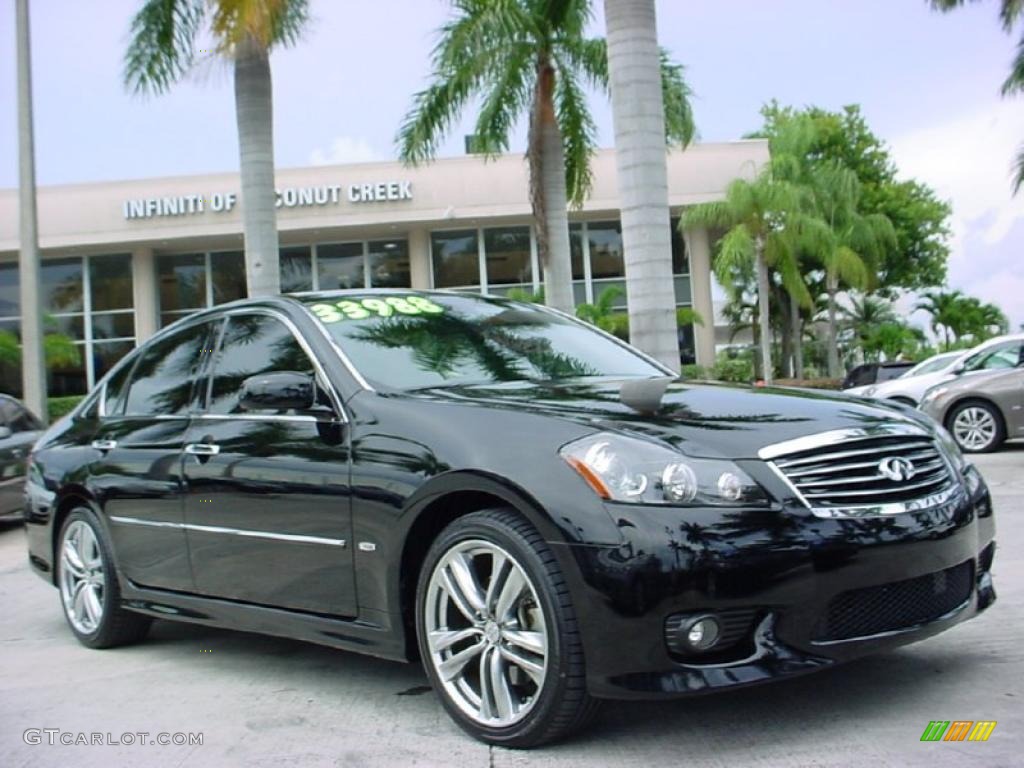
{"points": [[786, 331], [254, 111], [33, 363], [833, 330], [797, 333], [638, 112], [763, 304], [548, 195]]}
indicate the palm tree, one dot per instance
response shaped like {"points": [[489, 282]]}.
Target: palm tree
{"points": [[754, 213], [865, 313], [641, 108], [528, 57], [845, 242], [162, 50], [946, 309], [1010, 11]]}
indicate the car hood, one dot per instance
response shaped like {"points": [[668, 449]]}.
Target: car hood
{"points": [[699, 419]]}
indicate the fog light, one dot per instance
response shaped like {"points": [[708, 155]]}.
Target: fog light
{"points": [[702, 633]]}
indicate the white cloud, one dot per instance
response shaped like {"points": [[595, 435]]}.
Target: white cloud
{"points": [[345, 149], [967, 160]]}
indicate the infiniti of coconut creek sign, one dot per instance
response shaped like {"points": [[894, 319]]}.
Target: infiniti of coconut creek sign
{"points": [[289, 197]]}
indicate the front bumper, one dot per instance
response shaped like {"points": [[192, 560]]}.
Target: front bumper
{"points": [[785, 567]]}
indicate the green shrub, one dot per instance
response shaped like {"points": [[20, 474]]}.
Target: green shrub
{"points": [[738, 370], [59, 406], [818, 383], [693, 371]]}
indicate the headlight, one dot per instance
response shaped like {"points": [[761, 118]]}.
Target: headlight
{"points": [[621, 468]]}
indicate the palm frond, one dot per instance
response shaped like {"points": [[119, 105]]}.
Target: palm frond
{"points": [[1018, 170], [1014, 82], [588, 56], [680, 128], [508, 97], [735, 252], [579, 134], [162, 42], [270, 23]]}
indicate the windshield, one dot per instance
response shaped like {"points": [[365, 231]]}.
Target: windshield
{"points": [[931, 365], [417, 341]]}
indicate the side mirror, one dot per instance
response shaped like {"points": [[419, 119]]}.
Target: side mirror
{"points": [[285, 390], [5, 432], [958, 369]]}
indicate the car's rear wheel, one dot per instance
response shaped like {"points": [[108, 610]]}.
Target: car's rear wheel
{"points": [[88, 586], [977, 427], [498, 634]]}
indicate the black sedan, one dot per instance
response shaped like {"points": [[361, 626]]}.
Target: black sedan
{"points": [[540, 513], [19, 429]]}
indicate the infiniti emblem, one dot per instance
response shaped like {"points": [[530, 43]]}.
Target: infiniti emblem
{"points": [[896, 468]]}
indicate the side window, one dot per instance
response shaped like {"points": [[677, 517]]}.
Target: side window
{"points": [[1000, 356], [252, 344], [117, 388], [20, 419], [162, 381]]}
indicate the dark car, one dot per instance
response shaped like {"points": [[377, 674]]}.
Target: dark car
{"points": [[539, 512], [875, 373], [19, 429]]}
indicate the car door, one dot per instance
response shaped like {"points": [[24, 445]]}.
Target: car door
{"points": [[267, 503], [18, 431], [136, 475]]}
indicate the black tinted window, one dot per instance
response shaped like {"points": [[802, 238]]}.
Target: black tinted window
{"points": [[15, 417], [162, 381], [252, 344], [117, 387]]}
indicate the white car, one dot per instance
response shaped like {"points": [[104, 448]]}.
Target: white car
{"points": [[911, 386]]}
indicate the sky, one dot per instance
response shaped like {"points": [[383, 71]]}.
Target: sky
{"points": [[928, 84]]}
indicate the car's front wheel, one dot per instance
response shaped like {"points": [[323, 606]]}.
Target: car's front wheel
{"points": [[498, 634], [88, 586], [976, 426]]}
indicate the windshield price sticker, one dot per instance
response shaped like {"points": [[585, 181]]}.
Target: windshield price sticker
{"points": [[385, 306]]}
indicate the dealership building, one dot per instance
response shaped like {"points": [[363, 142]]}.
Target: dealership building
{"points": [[122, 259]]}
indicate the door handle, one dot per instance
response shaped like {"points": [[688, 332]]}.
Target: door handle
{"points": [[104, 445], [202, 449]]}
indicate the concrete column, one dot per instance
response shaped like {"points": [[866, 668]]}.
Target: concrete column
{"points": [[419, 258], [698, 247], [145, 291]]}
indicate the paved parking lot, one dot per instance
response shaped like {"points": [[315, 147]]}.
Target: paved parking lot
{"points": [[264, 701]]}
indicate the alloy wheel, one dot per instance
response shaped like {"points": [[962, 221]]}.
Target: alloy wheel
{"points": [[486, 633], [82, 579], [974, 428]]}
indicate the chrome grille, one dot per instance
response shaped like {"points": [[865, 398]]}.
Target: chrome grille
{"points": [[851, 473]]}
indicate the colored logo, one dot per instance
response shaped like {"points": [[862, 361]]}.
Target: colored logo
{"points": [[896, 468], [958, 730]]}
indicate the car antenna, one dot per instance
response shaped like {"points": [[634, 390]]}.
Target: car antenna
{"points": [[644, 395]]}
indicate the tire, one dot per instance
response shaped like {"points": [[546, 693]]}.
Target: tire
{"points": [[90, 594], [976, 426], [533, 654]]}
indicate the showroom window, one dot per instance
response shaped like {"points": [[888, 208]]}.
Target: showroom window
{"points": [[456, 258], [507, 252], [495, 259], [192, 281], [358, 264], [87, 304]]}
